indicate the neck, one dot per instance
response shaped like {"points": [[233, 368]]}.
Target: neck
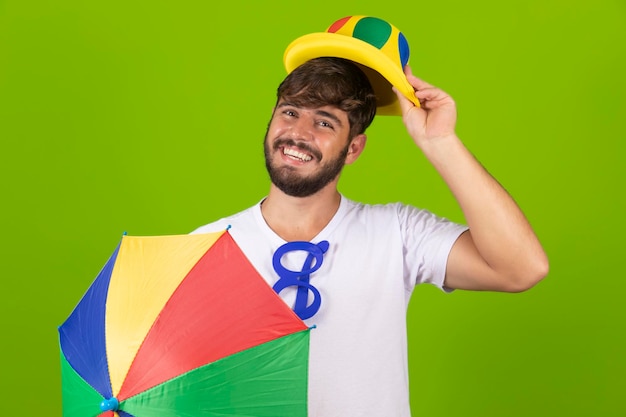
{"points": [[300, 218]]}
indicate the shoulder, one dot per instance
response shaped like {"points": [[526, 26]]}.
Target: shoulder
{"points": [[226, 222], [395, 210], [407, 218]]}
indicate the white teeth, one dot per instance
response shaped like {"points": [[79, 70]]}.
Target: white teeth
{"points": [[301, 156]]}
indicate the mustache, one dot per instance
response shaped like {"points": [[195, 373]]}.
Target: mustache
{"points": [[280, 142]]}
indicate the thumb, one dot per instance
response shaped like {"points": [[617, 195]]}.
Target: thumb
{"points": [[405, 104]]}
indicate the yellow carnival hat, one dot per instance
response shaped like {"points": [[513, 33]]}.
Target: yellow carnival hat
{"points": [[379, 47]]}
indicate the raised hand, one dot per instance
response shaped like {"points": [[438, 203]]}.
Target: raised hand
{"points": [[435, 118]]}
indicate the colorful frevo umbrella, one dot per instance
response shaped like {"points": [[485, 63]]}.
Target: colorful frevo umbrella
{"points": [[182, 325]]}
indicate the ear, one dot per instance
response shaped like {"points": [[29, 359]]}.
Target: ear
{"points": [[357, 145]]}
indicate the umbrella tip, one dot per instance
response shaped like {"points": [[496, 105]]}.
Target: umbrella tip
{"points": [[313, 327], [112, 404], [124, 233], [228, 227]]}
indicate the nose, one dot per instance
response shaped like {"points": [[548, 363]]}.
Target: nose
{"points": [[302, 127]]}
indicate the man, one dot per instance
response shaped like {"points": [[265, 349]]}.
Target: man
{"points": [[360, 263]]}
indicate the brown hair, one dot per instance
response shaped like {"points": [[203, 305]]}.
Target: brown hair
{"points": [[332, 81]]}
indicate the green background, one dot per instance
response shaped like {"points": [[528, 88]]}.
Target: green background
{"points": [[148, 117]]}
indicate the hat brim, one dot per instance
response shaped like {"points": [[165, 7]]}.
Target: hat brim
{"points": [[381, 71]]}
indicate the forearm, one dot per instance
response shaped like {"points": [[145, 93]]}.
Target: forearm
{"points": [[499, 230]]}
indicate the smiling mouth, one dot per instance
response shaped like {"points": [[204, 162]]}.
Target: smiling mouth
{"points": [[300, 156]]}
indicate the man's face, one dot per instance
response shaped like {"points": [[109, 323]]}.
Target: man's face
{"points": [[305, 149]]}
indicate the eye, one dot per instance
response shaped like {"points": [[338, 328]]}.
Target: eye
{"points": [[326, 124], [290, 113]]}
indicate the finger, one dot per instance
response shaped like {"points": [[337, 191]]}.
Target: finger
{"points": [[433, 95], [405, 104], [416, 82]]}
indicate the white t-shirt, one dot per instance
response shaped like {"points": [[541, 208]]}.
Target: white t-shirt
{"points": [[375, 257]]}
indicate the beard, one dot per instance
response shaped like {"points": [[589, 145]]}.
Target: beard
{"points": [[287, 178]]}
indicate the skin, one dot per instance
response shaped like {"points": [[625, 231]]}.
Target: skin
{"points": [[288, 178], [326, 131], [500, 252]]}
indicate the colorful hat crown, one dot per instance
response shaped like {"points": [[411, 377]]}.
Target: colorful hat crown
{"points": [[379, 48], [378, 33]]}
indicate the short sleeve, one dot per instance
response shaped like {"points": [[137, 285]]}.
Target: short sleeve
{"points": [[427, 241]]}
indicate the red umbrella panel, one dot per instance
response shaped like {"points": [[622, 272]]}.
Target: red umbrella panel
{"points": [[182, 325]]}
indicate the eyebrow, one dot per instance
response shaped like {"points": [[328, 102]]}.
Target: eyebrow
{"points": [[322, 113]]}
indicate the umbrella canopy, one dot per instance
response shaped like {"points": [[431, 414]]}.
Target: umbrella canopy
{"points": [[182, 325]]}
